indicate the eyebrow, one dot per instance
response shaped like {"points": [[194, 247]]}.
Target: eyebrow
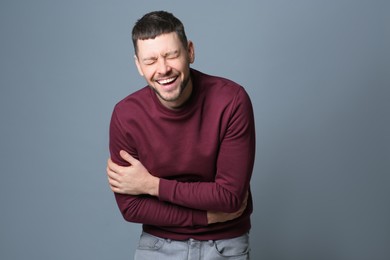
{"points": [[167, 54], [171, 53], [149, 59]]}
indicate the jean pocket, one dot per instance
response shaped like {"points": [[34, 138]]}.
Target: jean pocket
{"points": [[149, 242], [234, 247]]}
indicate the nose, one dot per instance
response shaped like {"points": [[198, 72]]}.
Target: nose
{"points": [[163, 66]]}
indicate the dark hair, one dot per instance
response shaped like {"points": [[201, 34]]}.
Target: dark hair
{"points": [[156, 23]]}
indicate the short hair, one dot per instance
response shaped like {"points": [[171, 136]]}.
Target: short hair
{"points": [[157, 23]]}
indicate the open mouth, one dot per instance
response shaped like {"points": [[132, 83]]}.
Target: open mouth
{"points": [[166, 81]]}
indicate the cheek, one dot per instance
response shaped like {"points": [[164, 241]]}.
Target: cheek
{"points": [[147, 72], [181, 67]]}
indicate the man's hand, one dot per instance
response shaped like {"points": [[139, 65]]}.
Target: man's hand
{"points": [[133, 180], [215, 217]]}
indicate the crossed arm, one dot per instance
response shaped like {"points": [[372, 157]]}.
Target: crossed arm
{"points": [[144, 198], [136, 180]]}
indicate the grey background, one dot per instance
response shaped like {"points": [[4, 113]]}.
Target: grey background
{"points": [[319, 77]]}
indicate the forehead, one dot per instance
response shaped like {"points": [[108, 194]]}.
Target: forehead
{"points": [[158, 46]]}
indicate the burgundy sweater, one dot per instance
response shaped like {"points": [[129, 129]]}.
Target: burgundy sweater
{"points": [[203, 153]]}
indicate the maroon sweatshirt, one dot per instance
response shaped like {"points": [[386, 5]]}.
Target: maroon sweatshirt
{"points": [[203, 153]]}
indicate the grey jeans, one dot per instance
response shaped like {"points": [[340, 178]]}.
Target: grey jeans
{"points": [[155, 248]]}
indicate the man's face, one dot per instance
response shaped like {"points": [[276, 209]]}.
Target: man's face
{"points": [[164, 63]]}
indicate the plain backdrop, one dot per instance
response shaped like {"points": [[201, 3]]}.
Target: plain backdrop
{"points": [[318, 73]]}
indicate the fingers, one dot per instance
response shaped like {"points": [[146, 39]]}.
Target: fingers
{"points": [[128, 158], [111, 166], [111, 174], [243, 206], [246, 197], [245, 202], [114, 181], [114, 174]]}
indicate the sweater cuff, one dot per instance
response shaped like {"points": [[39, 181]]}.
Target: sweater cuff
{"points": [[166, 193], [166, 190], [199, 218]]}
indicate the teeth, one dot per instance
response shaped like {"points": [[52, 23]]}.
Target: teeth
{"points": [[166, 81]]}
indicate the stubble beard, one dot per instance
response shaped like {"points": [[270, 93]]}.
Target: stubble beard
{"points": [[183, 86]]}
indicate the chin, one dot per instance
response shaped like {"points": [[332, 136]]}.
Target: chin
{"points": [[170, 98]]}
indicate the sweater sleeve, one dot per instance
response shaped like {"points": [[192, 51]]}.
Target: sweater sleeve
{"points": [[234, 166], [146, 209]]}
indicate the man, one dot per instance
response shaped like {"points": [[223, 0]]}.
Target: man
{"points": [[182, 151]]}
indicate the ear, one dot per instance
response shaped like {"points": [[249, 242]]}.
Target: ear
{"points": [[191, 51], [138, 65]]}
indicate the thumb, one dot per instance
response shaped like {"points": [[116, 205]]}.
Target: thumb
{"points": [[127, 157]]}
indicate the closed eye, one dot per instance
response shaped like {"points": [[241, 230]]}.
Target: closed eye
{"points": [[172, 55], [149, 61]]}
